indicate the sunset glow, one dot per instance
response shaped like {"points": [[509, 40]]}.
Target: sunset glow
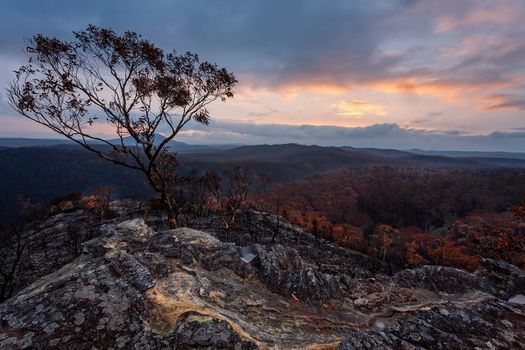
{"points": [[436, 66]]}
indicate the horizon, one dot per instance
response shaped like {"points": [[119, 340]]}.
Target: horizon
{"points": [[237, 145], [389, 74]]}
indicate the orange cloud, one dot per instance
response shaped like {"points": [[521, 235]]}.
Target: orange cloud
{"points": [[447, 87], [448, 83], [504, 101], [486, 16], [358, 109]]}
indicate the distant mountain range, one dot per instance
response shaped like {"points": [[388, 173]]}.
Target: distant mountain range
{"points": [[43, 169], [471, 154], [327, 158], [175, 146], [23, 142], [182, 147]]}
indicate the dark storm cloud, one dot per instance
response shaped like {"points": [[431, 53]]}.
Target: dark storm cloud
{"points": [[275, 42], [280, 41]]}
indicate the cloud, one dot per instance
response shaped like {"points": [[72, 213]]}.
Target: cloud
{"points": [[386, 135], [504, 101], [296, 42], [410, 57], [487, 15], [357, 109]]}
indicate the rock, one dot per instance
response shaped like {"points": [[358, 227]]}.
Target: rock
{"points": [[135, 229], [247, 254], [282, 270], [465, 329], [199, 331], [507, 279], [443, 279], [99, 301], [90, 294], [189, 236], [124, 264], [229, 257], [133, 288], [362, 341]]}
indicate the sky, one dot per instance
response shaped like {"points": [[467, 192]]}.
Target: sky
{"points": [[430, 74]]}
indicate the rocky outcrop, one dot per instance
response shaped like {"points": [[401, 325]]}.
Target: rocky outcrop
{"points": [[137, 288], [488, 325], [497, 278], [507, 279], [57, 240], [283, 271], [443, 279], [99, 300], [194, 331]]}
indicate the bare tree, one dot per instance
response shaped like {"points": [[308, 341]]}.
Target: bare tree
{"points": [[229, 192], [98, 203], [126, 80], [194, 192], [275, 205], [270, 204], [11, 252]]}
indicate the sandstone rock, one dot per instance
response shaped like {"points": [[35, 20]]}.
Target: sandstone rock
{"points": [[133, 288], [227, 256], [190, 236], [124, 264], [135, 229], [281, 268], [443, 279], [283, 271], [508, 279], [469, 328], [195, 331]]}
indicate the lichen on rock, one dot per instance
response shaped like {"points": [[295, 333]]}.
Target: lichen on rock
{"points": [[134, 288]]}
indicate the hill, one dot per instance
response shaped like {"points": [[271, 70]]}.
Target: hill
{"points": [[466, 154], [41, 174], [28, 142], [328, 158], [134, 286], [175, 146]]}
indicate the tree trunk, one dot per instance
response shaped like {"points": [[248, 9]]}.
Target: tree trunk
{"points": [[172, 218]]}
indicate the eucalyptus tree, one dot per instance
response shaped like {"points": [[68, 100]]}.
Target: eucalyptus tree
{"points": [[127, 82]]}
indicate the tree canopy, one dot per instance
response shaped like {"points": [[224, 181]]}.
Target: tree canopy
{"points": [[126, 81]]}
